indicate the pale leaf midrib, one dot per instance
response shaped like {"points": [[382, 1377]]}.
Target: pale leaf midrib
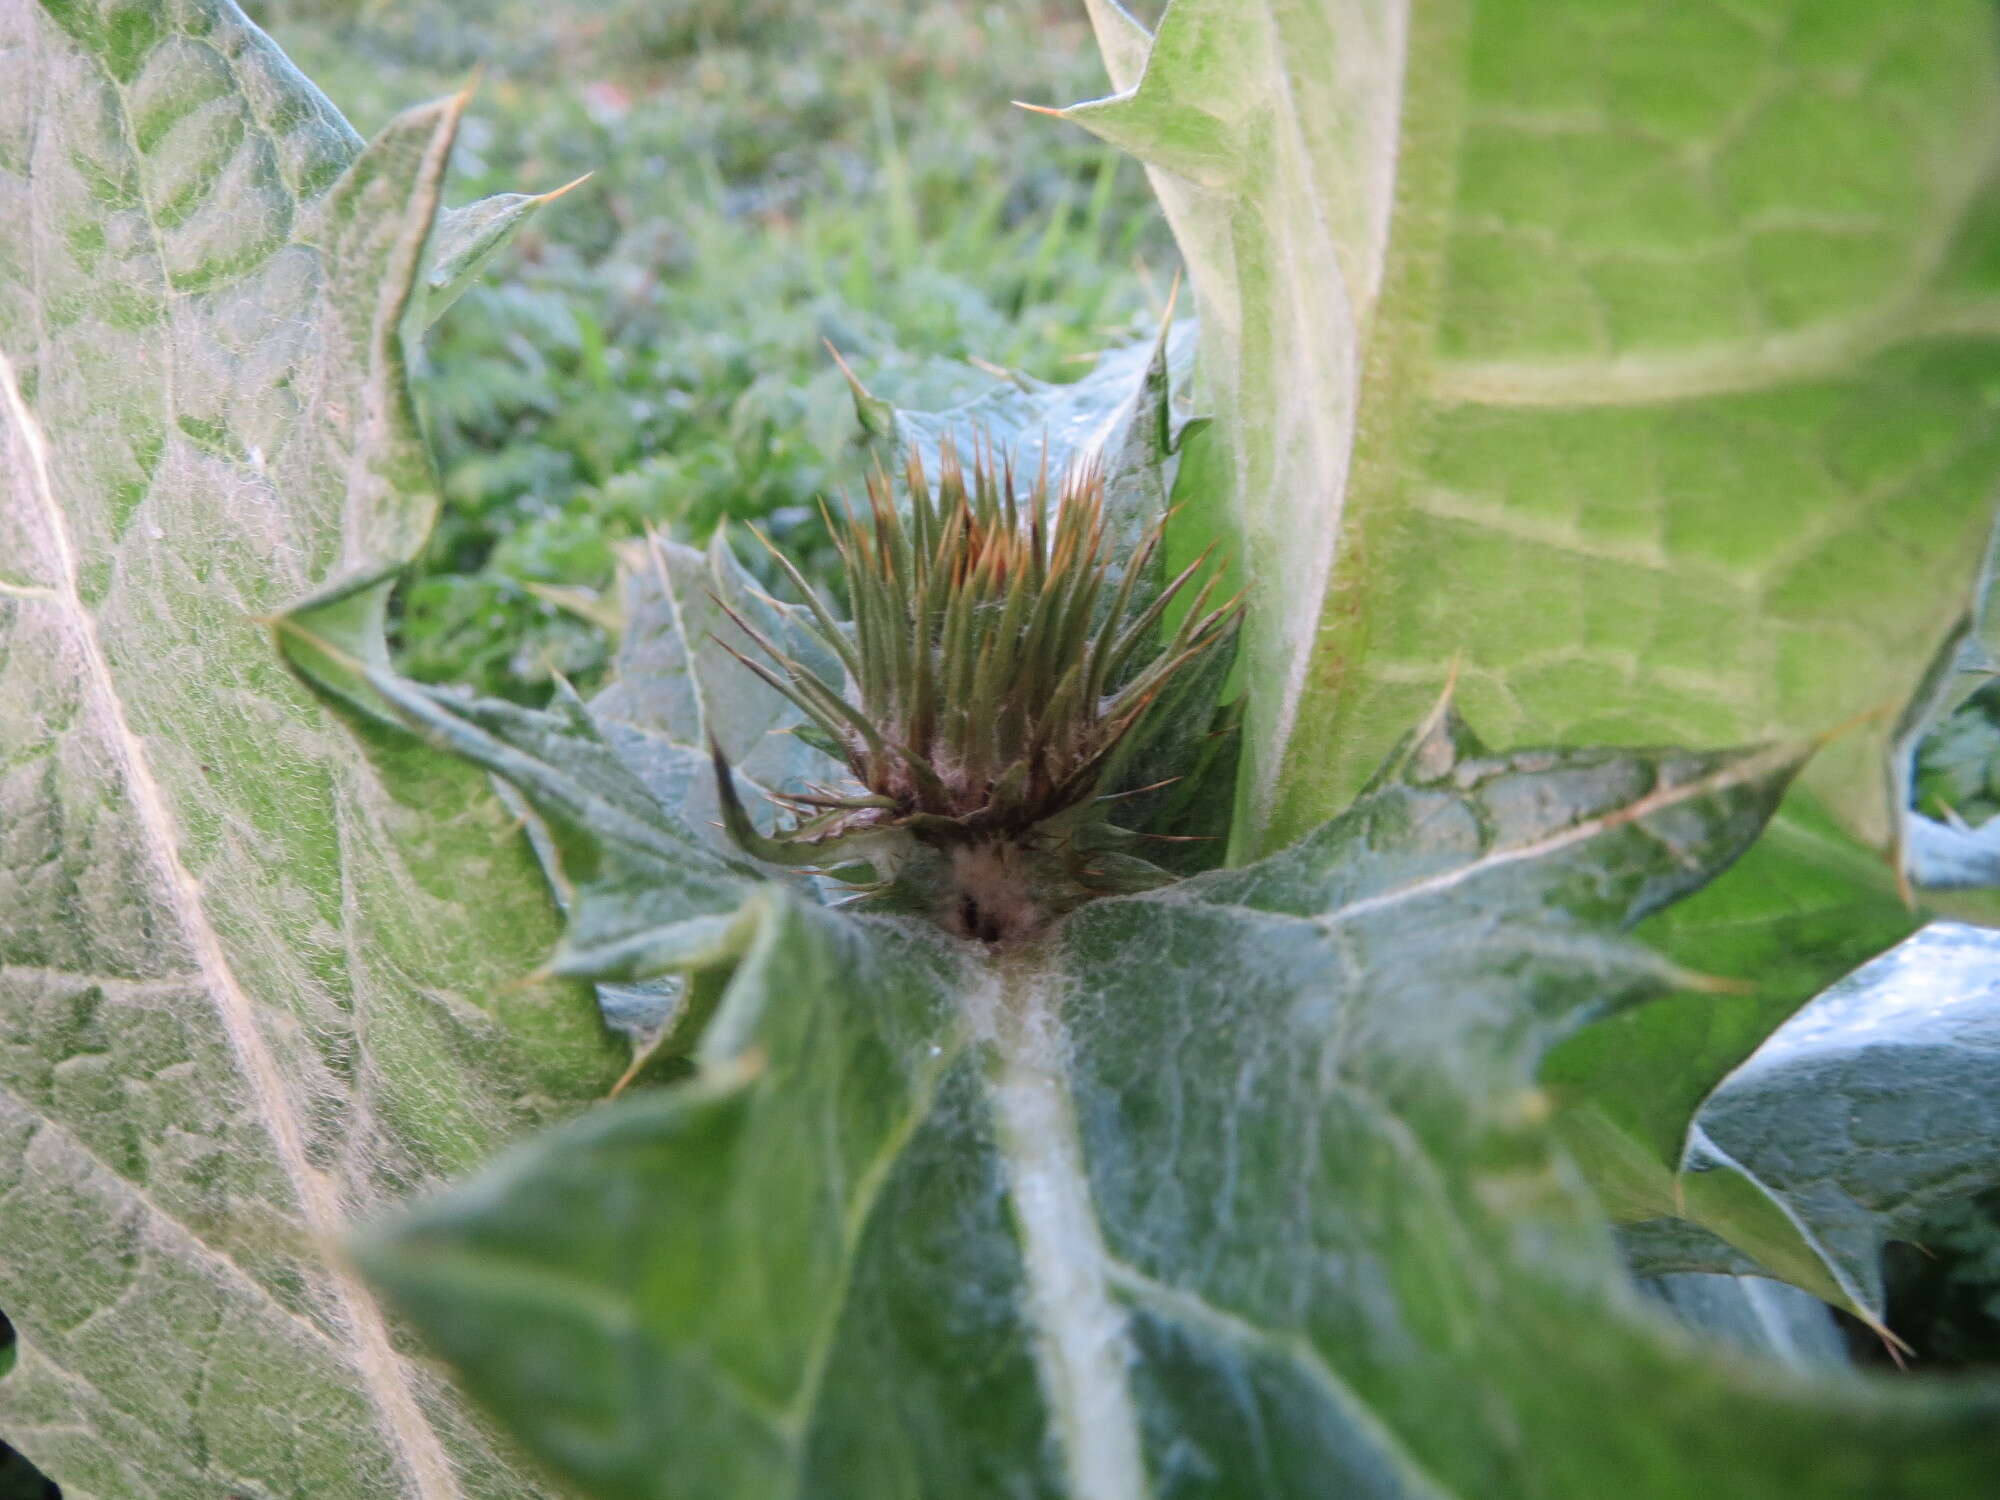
{"points": [[380, 393], [1078, 1328], [697, 689], [1362, 275], [1366, 269], [1390, 368], [416, 1444], [1738, 773]]}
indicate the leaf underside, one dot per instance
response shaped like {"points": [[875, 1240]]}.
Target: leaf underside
{"points": [[1865, 1113], [1636, 357], [254, 974]]}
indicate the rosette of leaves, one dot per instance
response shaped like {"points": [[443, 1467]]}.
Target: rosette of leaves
{"points": [[1237, 1185]]}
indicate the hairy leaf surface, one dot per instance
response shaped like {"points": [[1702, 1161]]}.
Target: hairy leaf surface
{"points": [[255, 979], [1636, 356], [1636, 359], [1125, 412], [1863, 1114], [1242, 1187]]}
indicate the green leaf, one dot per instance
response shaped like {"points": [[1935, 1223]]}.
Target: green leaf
{"points": [[1641, 361], [466, 239], [618, 796], [1238, 1187], [1867, 1111], [676, 678], [1950, 769], [1641, 366], [1758, 1316], [256, 977], [833, 1047], [641, 887], [1129, 414], [1804, 905]]}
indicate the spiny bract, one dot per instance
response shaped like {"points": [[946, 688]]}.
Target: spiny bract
{"points": [[999, 670]]}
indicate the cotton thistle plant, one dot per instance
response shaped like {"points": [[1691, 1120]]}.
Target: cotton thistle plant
{"points": [[1002, 666]]}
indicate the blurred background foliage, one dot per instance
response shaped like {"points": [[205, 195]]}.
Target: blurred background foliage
{"points": [[771, 176], [1944, 1290]]}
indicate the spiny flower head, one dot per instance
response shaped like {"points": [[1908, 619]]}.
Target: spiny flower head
{"points": [[997, 664]]}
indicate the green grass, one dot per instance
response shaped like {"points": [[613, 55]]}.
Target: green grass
{"points": [[769, 175]]}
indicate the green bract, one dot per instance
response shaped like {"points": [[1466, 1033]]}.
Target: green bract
{"points": [[1000, 672]]}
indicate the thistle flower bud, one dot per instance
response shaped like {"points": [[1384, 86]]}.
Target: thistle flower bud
{"points": [[999, 661]]}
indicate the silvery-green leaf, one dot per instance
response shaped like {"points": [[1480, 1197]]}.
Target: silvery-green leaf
{"points": [[1242, 1187], [1873, 1106], [675, 674], [1130, 413], [1949, 758], [1756, 1315], [1948, 856], [1655, 1248], [641, 891], [465, 242], [1124, 406], [257, 974]]}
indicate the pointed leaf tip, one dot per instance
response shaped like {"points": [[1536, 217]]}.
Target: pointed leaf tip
{"points": [[568, 187], [845, 368]]}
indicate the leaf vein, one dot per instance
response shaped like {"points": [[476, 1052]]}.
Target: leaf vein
{"points": [[371, 1355]]}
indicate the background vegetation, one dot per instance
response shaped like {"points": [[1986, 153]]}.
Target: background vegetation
{"points": [[770, 175]]}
